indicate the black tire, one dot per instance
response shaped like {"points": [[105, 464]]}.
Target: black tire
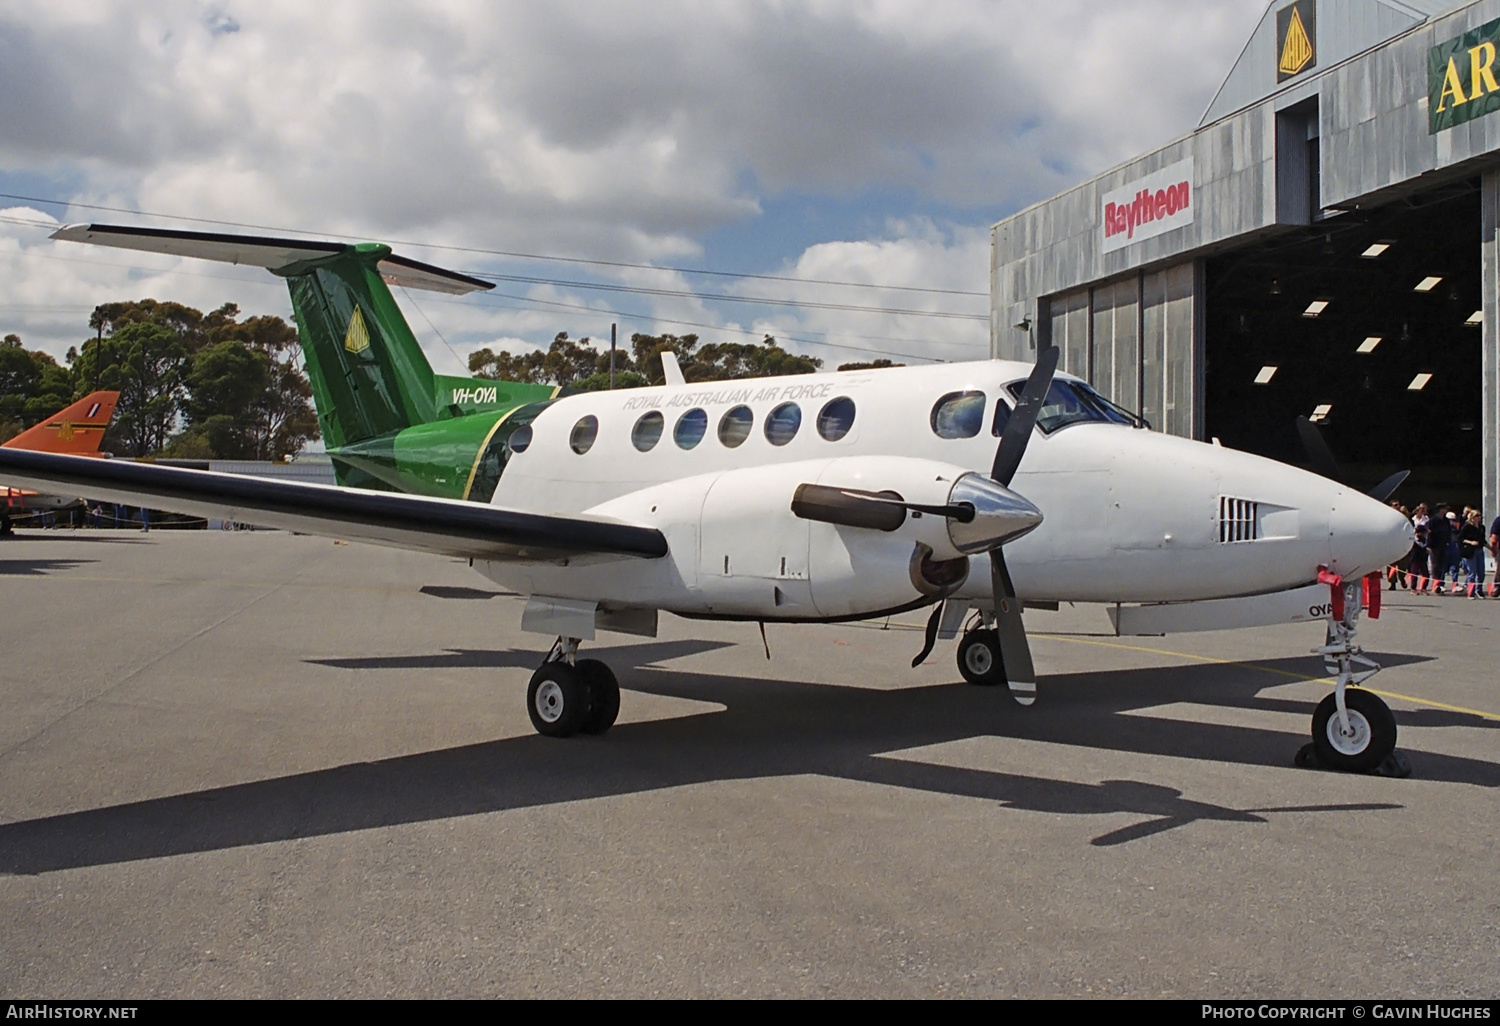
{"points": [[1374, 728], [4, 524], [604, 696], [558, 700], [979, 658]]}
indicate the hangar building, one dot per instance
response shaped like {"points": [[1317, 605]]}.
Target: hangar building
{"points": [[1322, 244]]}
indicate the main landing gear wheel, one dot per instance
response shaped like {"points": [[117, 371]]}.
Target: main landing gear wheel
{"points": [[1370, 737], [604, 696], [979, 657], [558, 700]]}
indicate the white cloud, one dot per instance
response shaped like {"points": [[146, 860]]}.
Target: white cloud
{"points": [[622, 130]]}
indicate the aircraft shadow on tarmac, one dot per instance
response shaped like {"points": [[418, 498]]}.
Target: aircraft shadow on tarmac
{"points": [[768, 728], [449, 591], [39, 567], [518, 659]]}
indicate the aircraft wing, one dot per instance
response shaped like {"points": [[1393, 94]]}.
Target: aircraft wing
{"points": [[449, 527]]}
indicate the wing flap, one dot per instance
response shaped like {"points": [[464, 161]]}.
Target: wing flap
{"points": [[448, 527]]}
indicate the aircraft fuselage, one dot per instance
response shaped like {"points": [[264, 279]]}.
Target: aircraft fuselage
{"points": [[1131, 515]]}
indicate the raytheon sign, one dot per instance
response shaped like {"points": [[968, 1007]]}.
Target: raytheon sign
{"points": [[1148, 206]]}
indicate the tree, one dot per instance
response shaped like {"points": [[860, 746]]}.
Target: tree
{"points": [[227, 386], [719, 361], [32, 387], [872, 365], [240, 383], [581, 367], [147, 363], [503, 366]]}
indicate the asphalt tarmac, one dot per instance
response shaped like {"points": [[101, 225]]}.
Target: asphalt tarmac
{"points": [[263, 765]]}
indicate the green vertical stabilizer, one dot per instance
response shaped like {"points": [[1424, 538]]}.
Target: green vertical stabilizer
{"points": [[388, 421]]}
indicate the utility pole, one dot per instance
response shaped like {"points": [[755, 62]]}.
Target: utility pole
{"points": [[612, 357]]}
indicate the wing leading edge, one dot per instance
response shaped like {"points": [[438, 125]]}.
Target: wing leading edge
{"points": [[449, 527]]}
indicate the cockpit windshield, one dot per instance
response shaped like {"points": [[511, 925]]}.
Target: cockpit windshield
{"points": [[1073, 402]]}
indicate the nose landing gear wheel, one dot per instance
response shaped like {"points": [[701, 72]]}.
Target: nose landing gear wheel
{"points": [[979, 658], [604, 696], [558, 700], [1370, 738]]}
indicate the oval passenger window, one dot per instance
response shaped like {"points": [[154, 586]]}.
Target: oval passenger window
{"points": [[584, 433], [958, 415], [836, 418], [690, 429], [520, 438], [734, 426], [647, 431], [782, 423]]}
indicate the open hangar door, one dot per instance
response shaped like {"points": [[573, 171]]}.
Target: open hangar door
{"points": [[1368, 323]]}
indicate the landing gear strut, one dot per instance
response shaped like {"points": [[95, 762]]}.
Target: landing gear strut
{"points": [[571, 696], [1352, 730]]}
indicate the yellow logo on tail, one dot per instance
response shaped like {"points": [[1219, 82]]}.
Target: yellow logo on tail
{"points": [[357, 338], [1298, 49]]}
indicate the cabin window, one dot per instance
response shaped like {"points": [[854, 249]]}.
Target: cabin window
{"points": [[1073, 402], [690, 429], [782, 423], [520, 438], [584, 433], [836, 418], [1002, 418], [734, 426], [647, 431], [958, 415]]}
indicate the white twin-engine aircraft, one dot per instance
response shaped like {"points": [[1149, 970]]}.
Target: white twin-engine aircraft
{"points": [[975, 488]]}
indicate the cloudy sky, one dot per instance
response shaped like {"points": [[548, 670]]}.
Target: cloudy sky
{"points": [[785, 147]]}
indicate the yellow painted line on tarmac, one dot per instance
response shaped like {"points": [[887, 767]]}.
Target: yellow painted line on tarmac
{"points": [[1268, 669]]}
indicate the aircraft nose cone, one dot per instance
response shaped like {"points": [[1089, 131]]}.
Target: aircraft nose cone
{"points": [[1365, 535], [1000, 515]]}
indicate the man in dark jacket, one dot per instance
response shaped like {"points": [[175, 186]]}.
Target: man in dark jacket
{"points": [[1439, 537]]}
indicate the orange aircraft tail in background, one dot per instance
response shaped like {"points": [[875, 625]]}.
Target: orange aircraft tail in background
{"points": [[76, 431]]}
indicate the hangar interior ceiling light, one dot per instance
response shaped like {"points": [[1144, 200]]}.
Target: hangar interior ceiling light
{"points": [[1475, 319], [1419, 382], [1375, 249], [1265, 375], [1427, 284], [1316, 307], [1369, 344], [1321, 412]]}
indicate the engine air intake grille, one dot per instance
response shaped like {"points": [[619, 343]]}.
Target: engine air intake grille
{"points": [[1236, 520]]}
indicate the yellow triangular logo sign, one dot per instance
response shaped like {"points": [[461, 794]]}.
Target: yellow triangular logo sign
{"points": [[1297, 50], [357, 338]]}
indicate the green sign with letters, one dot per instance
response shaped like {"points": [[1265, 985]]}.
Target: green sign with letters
{"points": [[1462, 78]]}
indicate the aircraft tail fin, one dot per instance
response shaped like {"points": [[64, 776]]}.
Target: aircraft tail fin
{"points": [[370, 378], [76, 431]]}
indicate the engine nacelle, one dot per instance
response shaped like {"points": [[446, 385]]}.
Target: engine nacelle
{"points": [[739, 550]]}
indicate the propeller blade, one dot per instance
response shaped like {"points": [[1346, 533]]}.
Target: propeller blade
{"points": [[1015, 651], [1023, 418], [1318, 453], [931, 637], [1385, 489]]}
